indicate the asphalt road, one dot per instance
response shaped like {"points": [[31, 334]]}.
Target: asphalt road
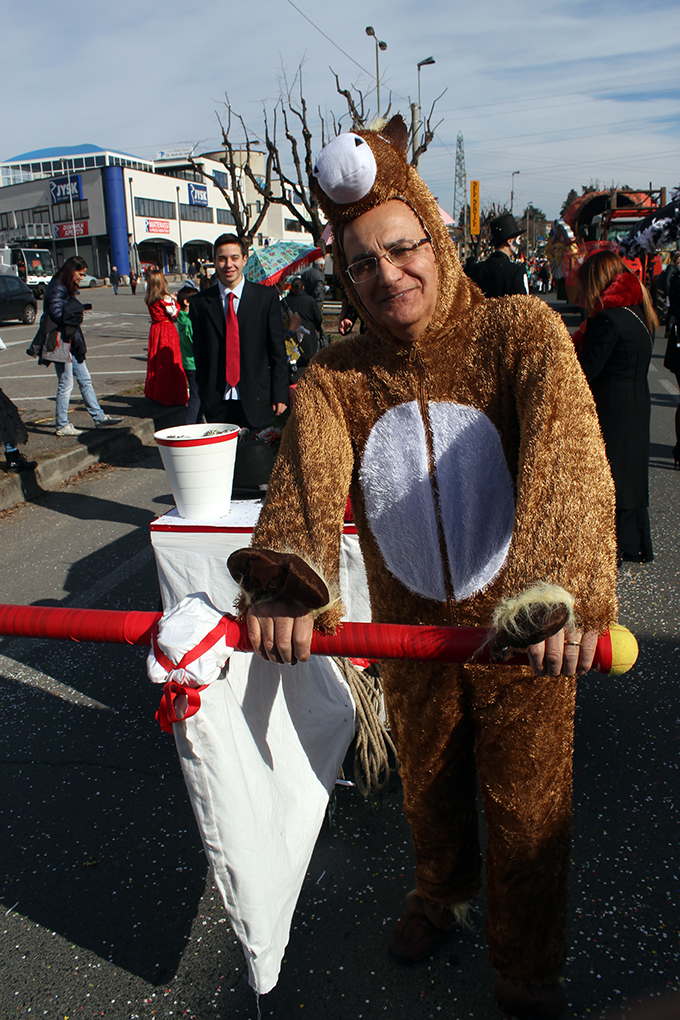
{"points": [[116, 332], [107, 907]]}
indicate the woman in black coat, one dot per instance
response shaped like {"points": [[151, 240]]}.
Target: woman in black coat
{"points": [[62, 309], [671, 360], [615, 357]]}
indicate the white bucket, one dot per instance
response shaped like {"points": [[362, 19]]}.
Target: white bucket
{"points": [[199, 463]]}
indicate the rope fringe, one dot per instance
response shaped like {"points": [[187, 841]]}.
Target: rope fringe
{"points": [[375, 756]]}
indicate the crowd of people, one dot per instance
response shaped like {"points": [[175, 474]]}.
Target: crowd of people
{"points": [[614, 349], [196, 333], [479, 459]]}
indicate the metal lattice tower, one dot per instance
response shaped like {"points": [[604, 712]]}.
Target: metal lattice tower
{"points": [[460, 183]]}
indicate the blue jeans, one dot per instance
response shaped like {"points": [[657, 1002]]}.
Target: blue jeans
{"points": [[66, 371]]}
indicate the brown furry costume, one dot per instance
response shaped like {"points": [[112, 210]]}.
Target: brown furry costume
{"points": [[487, 409]]}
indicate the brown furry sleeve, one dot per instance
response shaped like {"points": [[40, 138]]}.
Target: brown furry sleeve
{"points": [[565, 503], [304, 508]]}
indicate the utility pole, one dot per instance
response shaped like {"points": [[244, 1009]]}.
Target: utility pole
{"points": [[512, 188], [414, 132], [179, 224], [421, 63], [460, 189]]}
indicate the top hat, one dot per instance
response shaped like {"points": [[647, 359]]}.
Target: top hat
{"points": [[503, 228]]}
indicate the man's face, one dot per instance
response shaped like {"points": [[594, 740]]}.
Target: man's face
{"points": [[229, 263], [400, 299]]}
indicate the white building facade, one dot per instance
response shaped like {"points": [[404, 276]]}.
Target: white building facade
{"points": [[118, 209]]}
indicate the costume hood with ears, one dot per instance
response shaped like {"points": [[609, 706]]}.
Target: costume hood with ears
{"points": [[358, 171]]}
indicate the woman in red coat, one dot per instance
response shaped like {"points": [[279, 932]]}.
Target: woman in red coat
{"points": [[166, 382]]}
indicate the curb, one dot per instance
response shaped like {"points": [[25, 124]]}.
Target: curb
{"points": [[22, 487]]}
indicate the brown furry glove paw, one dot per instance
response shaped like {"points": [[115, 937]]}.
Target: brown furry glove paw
{"points": [[265, 575]]}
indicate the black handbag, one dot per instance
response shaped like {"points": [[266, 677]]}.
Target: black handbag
{"points": [[46, 339]]}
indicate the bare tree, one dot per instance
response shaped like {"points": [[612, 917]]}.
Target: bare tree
{"points": [[275, 185], [278, 179], [355, 107], [428, 132], [294, 193], [237, 162], [359, 115]]}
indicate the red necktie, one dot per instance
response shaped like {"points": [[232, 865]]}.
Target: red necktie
{"points": [[233, 346]]}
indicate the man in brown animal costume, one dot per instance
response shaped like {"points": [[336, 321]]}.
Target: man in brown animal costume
{"points": [[466, 435]]}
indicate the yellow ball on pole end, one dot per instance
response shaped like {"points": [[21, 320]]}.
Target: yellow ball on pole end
{"points": [[624, 649]]}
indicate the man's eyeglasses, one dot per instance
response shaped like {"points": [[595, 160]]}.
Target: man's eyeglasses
{"points": [[399, 254]]}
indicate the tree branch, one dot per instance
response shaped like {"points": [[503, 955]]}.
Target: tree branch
{"points": [[428, 133]]}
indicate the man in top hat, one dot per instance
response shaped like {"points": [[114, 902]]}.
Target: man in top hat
{"points": [[498, 275]]}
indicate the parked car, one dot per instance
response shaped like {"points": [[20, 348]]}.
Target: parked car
{"points": [[89, 281], [17, 300]]}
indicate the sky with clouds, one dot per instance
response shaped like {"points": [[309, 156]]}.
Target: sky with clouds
{"points": [[565, 93]]}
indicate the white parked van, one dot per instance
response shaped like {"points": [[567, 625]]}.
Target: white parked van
{"points": [[34, 266]]}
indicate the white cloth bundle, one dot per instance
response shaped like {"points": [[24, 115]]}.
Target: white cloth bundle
{"points": [[181, 629], [260, 759]]}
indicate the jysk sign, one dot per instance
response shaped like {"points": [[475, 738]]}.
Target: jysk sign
{"points": [[63, 189], [198, 194]]}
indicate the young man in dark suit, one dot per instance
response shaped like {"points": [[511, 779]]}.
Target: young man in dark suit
{"points": [[239, 346]]}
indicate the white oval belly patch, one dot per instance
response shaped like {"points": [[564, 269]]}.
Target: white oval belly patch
{"points": [[476, 495]]}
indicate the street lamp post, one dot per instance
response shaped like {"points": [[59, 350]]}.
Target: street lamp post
{"points": [[70, 196], [134, 231], [422, 63], [512, 188], [179, 224], [379, 45]]}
